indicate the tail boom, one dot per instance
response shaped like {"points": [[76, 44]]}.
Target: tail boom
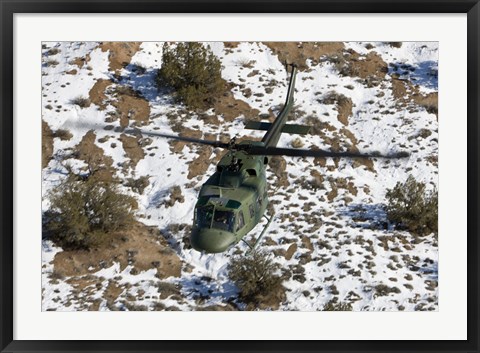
{"points": [[270, 139]]}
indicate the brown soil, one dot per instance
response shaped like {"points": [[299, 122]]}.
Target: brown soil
{"points": [[140, 246], [175, 195], [291, 251], [307, 243], [129, 104], [94, 156], [231, 108], [200, 164], [97, 93], [112, 292], [405, 92], [47, 144], [344, 107], [71, 72], [372, 66], [177, 146], [79, 62], [231, 45], [298, 52], [120, 53], [278, 165], [132, 148], [131, 107]]}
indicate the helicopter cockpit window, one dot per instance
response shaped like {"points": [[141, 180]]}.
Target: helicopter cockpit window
{"points": [[241, 221], [223, 220], [204, 216]]}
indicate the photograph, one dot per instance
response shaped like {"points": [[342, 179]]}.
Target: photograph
{"points": [[239, 176]]}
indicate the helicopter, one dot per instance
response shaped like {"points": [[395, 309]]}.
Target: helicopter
{"points": [[234, 199]]}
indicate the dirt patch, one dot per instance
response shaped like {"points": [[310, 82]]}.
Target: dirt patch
{"points": [[299, 52], [94, 156], [97, 93], [405, 92], [80, 61], [175, 195], [47, 144], [291, 251], [307, 243], [231, 108], [177, 146], [130, 106], [429, 102], [231, 45], [112, 292], [71, 72], [200, 164], [132, 149], [344, 107], [278, 166], [139, 246], [120, 53], [369, 66]]}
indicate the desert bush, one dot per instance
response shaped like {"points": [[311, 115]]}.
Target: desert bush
{"points": [[137, 185], [334, 305], [83, 212], [254, 275], [82, 102], [297, 143], [412, 207], [193, 71], [53, 51], [395, 44], [245, 63], [63, 134], [51, 62]]}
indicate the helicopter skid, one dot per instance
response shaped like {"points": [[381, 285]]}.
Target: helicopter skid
{"points": [[257, 241]]}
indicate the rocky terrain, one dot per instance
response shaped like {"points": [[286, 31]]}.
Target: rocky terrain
{"points": [[330, 235]]}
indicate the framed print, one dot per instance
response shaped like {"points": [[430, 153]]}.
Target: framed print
{"points": [[240, 176]]}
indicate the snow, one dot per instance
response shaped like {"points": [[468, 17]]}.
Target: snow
{"points": [[353, 244]]}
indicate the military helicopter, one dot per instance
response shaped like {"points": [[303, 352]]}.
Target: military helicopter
{"points": [[234, 199]]}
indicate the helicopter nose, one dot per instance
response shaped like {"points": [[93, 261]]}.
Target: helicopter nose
{"points": [[211, 240]]}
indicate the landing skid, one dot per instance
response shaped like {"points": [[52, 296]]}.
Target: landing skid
{"points": [[252, 247]]}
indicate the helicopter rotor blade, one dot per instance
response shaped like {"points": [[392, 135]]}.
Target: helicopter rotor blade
{"points": [[278, 151], [179, 138]]}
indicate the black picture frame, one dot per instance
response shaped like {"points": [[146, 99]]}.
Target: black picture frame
{"points": [[9, 7]]}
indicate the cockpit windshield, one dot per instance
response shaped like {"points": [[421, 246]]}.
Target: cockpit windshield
{"points": [[223, 220], [208, 217], [204, 216]]}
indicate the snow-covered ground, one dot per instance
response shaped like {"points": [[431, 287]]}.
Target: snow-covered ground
{"points": [[327, 236]]}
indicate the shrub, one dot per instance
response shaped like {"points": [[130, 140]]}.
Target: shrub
{"points": [[334, 305], [53, 51], [395, 44], [411, 207], [254, 275], [51, 62], [83, 212], [297, 143], [193, 71], [82, 102], [63, 134]]}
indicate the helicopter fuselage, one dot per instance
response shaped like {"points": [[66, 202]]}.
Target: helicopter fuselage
{"points": [[231, 202]]}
